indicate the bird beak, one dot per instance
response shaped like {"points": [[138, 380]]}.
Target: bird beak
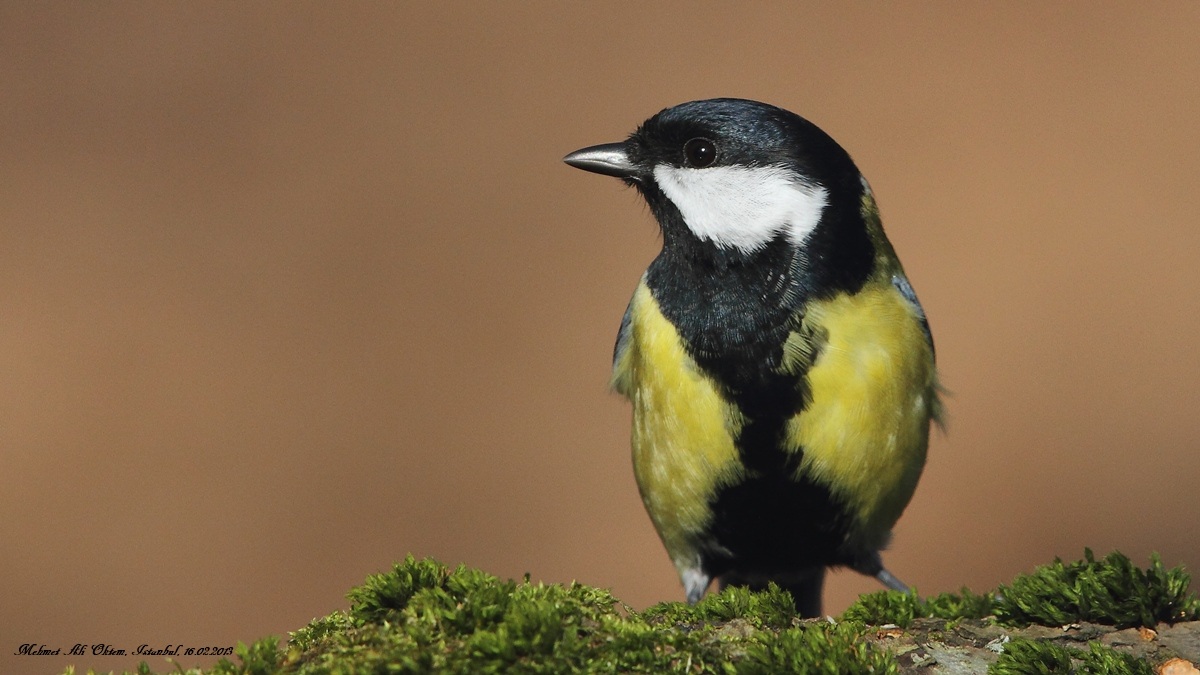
{"points": [[609, 159]]}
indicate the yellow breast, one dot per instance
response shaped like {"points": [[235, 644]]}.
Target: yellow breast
{"points": [[683, 430], [863, 432], [873, 393]]}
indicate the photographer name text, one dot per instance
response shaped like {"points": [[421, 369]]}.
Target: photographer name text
{"points": [[102, 649]]}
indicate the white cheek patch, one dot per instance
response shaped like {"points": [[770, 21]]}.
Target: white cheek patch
{"points": [[742, 206]]}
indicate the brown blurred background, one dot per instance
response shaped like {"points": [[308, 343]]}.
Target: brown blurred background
{"points": [[290, 290]]}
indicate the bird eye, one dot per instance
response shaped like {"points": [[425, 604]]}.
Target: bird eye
{"points": [[700, 152]]}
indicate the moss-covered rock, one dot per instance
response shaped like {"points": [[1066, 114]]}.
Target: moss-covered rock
{"points": [[424, 617], [1110, 591]]}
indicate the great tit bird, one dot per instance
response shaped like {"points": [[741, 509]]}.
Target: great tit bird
{"points": [[780, 367]]}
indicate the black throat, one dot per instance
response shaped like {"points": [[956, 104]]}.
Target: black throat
{"points": [[734, 308]]}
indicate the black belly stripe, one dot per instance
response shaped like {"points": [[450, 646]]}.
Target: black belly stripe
{"points": [[734, 312], [771, 522]]}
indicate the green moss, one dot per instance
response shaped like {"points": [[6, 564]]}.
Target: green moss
{"points": [[1028, 657], [422, 616], [1104, 660], [885, 607], [894, 607], [772, 608], [1111, 591], [961, 605], [383, 594], [819, 648]]}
